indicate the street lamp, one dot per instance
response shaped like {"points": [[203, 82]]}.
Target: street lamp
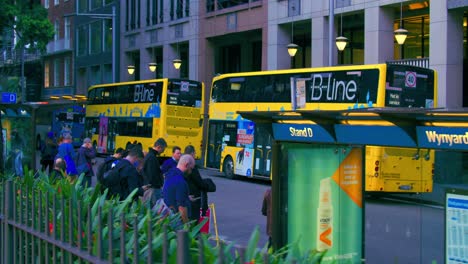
{"points": [[177, 62], [401, 33]]}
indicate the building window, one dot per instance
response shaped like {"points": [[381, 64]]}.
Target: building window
{"points": [[153, 7], [56, 2], [67, 32], [46, 74], [82, 6], [107, 76], [56, 29], [96, 4], [96, 37], [46, 4], [417, 43], [108, 35], [82, 41], [95, 76], [66, 71], [56, 72], [67, 28]]}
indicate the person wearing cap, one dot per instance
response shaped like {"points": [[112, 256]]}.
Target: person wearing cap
{"points": [[86, 153]]}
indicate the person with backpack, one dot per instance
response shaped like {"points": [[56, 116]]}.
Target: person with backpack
{"points": [[48, 152], [109, 163], [123, 179]]}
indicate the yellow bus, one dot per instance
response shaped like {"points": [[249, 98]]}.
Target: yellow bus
{"points": [[139, 112], [239, 147]]}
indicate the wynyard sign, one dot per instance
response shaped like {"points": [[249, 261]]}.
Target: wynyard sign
{"points": [[443, 137]]}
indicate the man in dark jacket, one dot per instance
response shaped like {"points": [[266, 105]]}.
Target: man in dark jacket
{"points": [[152, 170], [196, 187], [129, 176], [84, 161]]}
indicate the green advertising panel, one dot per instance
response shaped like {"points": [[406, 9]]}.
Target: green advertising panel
{"points": [[324, 204]]}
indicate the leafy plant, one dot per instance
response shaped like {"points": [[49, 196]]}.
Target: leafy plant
{"points": [[65, 198]]}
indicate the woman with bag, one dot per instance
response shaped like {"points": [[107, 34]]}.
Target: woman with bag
{"points": [[197, 186]]}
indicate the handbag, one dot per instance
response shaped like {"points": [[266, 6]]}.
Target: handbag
{"points": [[211, 186], [161, 208]]}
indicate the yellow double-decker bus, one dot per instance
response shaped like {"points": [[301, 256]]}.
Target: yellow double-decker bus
{"points": [[240, 147], [139, 112]]}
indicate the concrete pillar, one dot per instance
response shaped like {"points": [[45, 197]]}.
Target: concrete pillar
{"points": [[319, 39], [445, 49], [145, 58], [169, 54], [193, 58], [278, 39], [378, 34]]}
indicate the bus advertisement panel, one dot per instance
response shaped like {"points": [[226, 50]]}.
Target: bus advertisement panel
{"points": [[328, 88], [70, 120], [139, 112]]}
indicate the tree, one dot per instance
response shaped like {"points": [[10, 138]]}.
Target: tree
{"points": [[28, 19]]}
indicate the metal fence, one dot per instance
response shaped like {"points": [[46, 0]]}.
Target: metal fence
{"points": [[35, 228]]}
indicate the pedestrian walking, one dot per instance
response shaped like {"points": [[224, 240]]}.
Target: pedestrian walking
{"points": [[48, 152], [86, 153], [266, 211], [151, 170]]}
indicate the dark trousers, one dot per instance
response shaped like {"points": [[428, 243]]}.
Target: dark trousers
{"points": [[195, 210], [47, 165]]}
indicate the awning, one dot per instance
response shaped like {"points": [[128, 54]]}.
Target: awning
{"points": [[439, 128]]}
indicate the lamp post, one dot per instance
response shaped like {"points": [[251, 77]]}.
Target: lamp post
{"points": [[401, 33], [331, 31]]}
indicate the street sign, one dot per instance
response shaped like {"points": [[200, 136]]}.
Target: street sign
{"points": [[9, 98]]}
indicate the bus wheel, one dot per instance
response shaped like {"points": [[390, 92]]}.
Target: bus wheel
{"points": [[228, 168]]}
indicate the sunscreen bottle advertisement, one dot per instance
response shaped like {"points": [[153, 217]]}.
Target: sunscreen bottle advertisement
{"points": [[325, 201]]}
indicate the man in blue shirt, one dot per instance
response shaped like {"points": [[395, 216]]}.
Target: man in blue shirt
{"points": [[176, 190], [172, 162]]}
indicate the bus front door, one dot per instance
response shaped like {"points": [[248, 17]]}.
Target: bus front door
{"points": [[215, 141], [263, 152]]}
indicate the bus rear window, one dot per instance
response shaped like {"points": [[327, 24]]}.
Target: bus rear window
{"points": [[184, 93]]}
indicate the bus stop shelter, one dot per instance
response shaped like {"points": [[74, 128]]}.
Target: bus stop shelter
{"points": [[318, 174]]}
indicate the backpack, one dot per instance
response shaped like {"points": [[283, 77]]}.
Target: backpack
{"points": [[111, 179], [104, 167]]}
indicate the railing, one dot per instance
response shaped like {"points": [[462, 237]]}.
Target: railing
{"points": [[423, 62], [37, 227], [58, 45], [12, 56]]}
